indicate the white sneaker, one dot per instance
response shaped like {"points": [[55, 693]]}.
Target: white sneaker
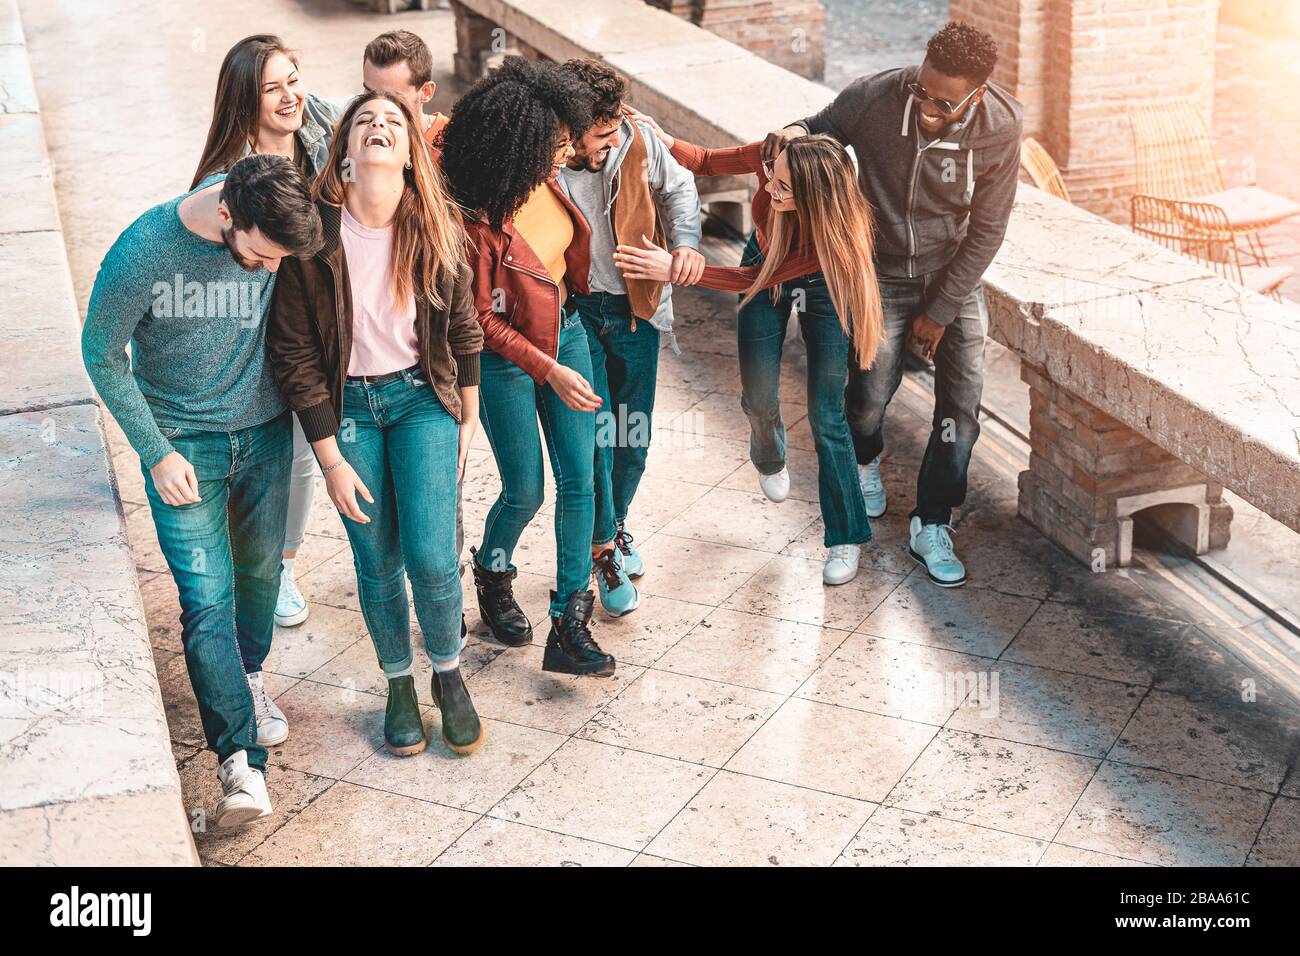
{"points": [[776, 487], [272, 726], [290, 606], [873, 489], [931, 544], [841, 565], [244, 793]]}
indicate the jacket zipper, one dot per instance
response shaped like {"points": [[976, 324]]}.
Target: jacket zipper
{"points": [[559, 308], [338, 321]]}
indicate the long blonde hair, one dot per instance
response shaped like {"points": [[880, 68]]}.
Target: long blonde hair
{"points": [[428, 234], [829, 208]]}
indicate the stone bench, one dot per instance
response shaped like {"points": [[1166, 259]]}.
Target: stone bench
{"points": [[705, 89], [86, 769], [1154, 384]]}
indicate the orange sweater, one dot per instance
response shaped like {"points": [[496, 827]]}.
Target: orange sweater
{"points": [[737, 160]]}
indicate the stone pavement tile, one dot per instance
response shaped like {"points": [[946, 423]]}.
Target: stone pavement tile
{"points": [[332, 729], [516, 689], [333, 582], [686, 718], [792, 589], [699, 571], [475, 782], [648, 633], [357, 668], [129, 477], [26, 189], [1047, 708], [356, 826], [143, 539], [1291, 788], [719, 415], [968, 620], [290, 790], [701, 370], [615, 796], [681, 455], [327, 632], [743, 821], [993, 783], [1123, 647], [1217, 738], [162, 609], [833, 749], [1278, 843], [492, 842], [316, 550], [646, 859], [178, 701], [658, 501], [743, 520], [886, 551], [671, 400], [124, 830], [1060, 855], [895, 679], [894, 837], [803, 477], [1165, 819], [325, 518], [750, 650]]}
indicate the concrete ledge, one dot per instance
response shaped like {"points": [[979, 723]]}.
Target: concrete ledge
{"points": [[87, 775]]}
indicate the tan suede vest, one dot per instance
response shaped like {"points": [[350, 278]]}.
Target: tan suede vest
{"points": [[633, 216]]}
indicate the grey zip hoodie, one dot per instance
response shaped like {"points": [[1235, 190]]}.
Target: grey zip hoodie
{"points": [[676, 199], [940, 206]]}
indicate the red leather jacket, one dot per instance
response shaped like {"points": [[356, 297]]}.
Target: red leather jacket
{"points": [[517, 300]]}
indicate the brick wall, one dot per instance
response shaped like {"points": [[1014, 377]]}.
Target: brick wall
{"points": [[789, 33]]}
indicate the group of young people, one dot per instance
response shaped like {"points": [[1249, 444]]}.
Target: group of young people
{"points": [[349, 287]]}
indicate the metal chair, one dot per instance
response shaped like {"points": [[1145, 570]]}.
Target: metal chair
{"points": [[1041, 169], [1175, 160], [1201, 231]]}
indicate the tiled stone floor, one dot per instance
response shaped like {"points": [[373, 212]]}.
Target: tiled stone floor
{"points": [[756, 717]]}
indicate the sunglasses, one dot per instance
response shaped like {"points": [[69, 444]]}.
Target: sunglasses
{"points": [[945, 106]]}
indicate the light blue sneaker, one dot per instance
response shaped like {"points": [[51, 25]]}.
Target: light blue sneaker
{"points": [[290, 606], [629, 559], [931, 544], [873, 489], [618, 595]]}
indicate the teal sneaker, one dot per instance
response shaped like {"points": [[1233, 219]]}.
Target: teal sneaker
{"points": [[628, 557], [618, 594], [873, 489]]}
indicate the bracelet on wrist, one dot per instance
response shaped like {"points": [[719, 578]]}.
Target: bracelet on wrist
{"points": [[328, 468]]}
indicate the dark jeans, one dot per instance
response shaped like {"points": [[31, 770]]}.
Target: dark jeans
{"points": [[510, 405], [224, 554], [760, 336], [958, 382], [624, 364], [403, 445]]}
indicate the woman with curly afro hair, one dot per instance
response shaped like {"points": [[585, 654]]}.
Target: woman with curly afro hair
{"points": [[508, 139]]}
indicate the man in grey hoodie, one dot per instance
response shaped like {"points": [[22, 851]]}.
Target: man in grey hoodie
{"points": [[628, 186], [938, 150]]}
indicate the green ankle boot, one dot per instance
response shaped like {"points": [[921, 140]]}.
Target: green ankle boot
{"points": [[460, 724], [403, 726]]}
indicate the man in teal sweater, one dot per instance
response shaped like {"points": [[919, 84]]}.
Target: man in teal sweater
{"points": [[188, 285]]}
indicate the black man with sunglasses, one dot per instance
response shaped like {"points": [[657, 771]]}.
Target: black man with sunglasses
{"points": [[938, 149]]}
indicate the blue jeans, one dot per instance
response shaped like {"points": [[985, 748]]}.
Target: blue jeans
{"points": [[224, 554], [510, 405], [958, 383], [403, 444], [624, 365], [760, 337]]}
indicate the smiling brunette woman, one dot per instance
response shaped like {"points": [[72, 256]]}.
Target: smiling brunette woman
{"points": [[508, 139], [261, 107], [379, 331]]}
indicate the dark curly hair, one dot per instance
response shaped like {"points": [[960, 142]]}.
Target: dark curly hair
{"points": [[501, 141], [608, 90], [960, 49]]}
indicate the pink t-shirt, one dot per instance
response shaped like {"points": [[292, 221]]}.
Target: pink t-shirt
{"points": [[383, 333]]}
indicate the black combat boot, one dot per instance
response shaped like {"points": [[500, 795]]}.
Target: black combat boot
{"points": [[497, 606], [570, 648]]}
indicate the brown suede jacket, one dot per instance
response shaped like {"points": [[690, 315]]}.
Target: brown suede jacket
{"points": [[309, 333]]}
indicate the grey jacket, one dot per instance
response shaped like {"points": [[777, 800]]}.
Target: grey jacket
{"points": [[676, 199], [940, 206]]}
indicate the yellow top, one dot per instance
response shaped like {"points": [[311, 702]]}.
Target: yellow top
{"points": [[544, 223]]}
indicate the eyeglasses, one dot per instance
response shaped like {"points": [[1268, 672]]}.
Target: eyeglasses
{"points": [[945, 106], [770, 172]]}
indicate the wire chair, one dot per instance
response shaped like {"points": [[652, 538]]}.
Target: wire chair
{"points": [[1041, 169]]}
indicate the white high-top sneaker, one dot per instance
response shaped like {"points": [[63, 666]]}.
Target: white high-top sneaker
{"points": [[291, 607], [244, 797], [272, 725], [873, 489], [777, 486], [841, 565]]}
